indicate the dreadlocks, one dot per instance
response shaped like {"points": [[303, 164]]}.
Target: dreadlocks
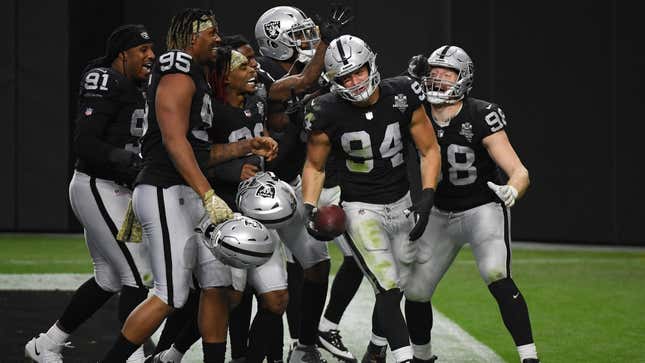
{"points": [[183, 25], [219, 71]]}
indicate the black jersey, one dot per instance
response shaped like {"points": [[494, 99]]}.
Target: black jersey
{"points": [[370, 140], [466, 165], [110, 115], [235, 124], [292, 148], [158, 168]]}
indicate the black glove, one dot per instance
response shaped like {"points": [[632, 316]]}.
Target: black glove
{"points": [[421, 210], [310, 223], [418, 67], [339, 16], [126, 164]]}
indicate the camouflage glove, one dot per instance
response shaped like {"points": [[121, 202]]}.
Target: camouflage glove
{"points": [[217, 209], [130, 230]]}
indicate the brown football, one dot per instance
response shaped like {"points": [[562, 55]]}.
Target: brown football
{"points": [[330, 219]]}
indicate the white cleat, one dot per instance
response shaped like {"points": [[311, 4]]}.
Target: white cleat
{"points": [[44, 350]]}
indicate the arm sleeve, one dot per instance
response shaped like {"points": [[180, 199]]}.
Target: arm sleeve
{"points": [[229, 171], [93, 118]]}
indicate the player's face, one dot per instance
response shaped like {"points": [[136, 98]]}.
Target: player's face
{"points": [[354, 78], [242, 79], [249, 53], [205, 44], [139, 61], [446, 77]]}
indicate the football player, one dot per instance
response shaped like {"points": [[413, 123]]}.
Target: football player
{"points": [[171, 193], [367, 123], [471, 202], [287, 38], [242, 116], [106, 141]]}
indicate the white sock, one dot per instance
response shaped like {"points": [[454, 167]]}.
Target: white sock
{"points": [[378, 340], [422, 351], [57, 335], [402, 354], [527, 351], [137, 357], [326, 325], [173, 354]]}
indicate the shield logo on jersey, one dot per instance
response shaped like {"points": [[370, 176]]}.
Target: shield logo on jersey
{"points": [[401, 102], [369, 115], [248, 113], [440, 133], [467, 131], [266, 191], [88, 111], [272, 29]]}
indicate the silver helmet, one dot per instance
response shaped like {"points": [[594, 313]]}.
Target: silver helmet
{"points": [[345, 55], [283, 30], [240, 242], [441, 91], [267, 199]]}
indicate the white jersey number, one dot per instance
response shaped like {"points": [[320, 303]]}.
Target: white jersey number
{"points": [[461, 160], [359, 144]]}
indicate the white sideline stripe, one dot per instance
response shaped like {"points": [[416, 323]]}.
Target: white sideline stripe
{"points": [[450, 342]]}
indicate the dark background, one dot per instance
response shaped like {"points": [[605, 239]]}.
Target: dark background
{"points": [[569, 76]]}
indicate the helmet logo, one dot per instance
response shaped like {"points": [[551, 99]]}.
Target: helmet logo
{"points": [[272, 29], [265, 191]]}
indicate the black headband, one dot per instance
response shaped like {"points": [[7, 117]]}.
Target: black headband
{"points": [[124, 38]]}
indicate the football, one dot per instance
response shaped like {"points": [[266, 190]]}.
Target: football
{"points": [[330, 219]]}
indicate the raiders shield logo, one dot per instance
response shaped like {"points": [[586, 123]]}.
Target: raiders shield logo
{"points": [[266, 191], [272, 29]]}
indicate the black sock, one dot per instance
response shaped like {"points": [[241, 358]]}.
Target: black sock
{"points": [[178, 320], [343, 289], [87, 299], [129, 299], [419, 318], [214, 352], [265, 324], [276, 346], [189, 334], [391, 319], [314, 295], [238, 326], [295, 277], [514, 311], [377, 327], [120, 351]]}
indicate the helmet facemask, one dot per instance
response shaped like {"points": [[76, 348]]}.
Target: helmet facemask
{"points": [[440, 91], [359, 92], [304, 38]]}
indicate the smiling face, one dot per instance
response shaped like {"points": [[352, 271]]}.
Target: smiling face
{"points": [[242, 79], [205, 43], [442, 78], [138, 61]]}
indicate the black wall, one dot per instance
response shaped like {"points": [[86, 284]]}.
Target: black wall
{"points": [[569, 76]]}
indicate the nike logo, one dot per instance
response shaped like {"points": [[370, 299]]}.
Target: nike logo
{"points": [[36, 348], [489, 106], [516, 295]]}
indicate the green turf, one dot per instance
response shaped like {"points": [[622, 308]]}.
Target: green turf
{"points": [[43, 254], [585, 306]]}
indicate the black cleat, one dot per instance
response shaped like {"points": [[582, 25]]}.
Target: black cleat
{"points": [[332, 342], [375, 354]]}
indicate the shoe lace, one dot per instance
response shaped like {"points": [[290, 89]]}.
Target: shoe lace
{"points": [[336, 340]]}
